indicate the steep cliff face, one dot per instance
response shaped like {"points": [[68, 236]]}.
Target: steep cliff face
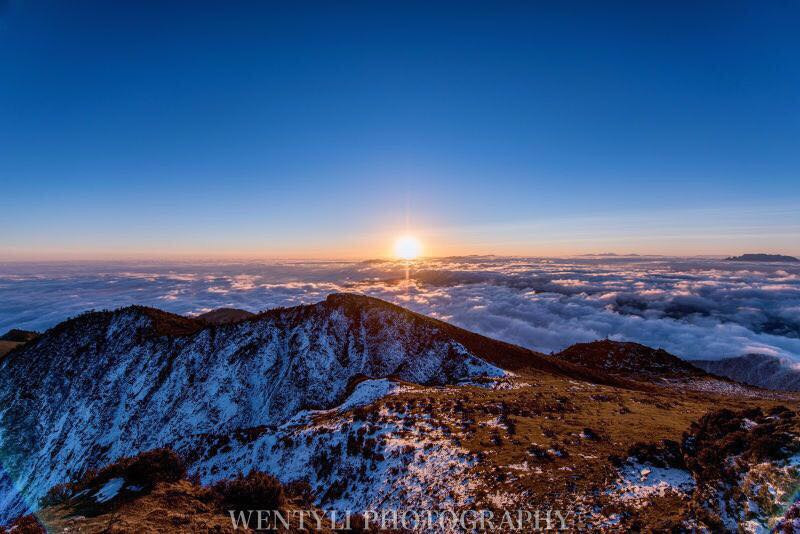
{"points": [[109, 384]]}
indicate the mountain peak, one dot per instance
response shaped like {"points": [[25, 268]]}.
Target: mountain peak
{"points": [[225, 315], [627, 358], [359, 301]]}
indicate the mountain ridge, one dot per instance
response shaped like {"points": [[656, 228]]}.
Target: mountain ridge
{"points": [[136, 369], [367, 401]]}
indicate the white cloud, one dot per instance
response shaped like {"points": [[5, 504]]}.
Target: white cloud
{"points": [[693, 308]]}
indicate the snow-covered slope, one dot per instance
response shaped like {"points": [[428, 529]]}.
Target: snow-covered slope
{"points": [[377, 407], [112, 384]]}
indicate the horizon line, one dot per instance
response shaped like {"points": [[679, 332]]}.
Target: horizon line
{"points": [[356, 259]]}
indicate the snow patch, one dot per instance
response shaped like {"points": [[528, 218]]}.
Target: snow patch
{"points": [[640, 481], [748, 424], [109, 490], [368, 392], [478, 367]]}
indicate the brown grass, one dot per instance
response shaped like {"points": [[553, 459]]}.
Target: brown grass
{"points": [[591, 426], [7, 346]]}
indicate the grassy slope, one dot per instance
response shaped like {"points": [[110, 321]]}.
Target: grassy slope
{"points": [[6, 346], [543, 409], [554, 412]]}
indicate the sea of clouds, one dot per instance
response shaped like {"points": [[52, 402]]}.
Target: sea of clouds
{"points": [[694, 308]]}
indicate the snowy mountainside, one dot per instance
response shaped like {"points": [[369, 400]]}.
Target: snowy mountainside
{"points": [[354, 460], [109, 384], [376, 407]]}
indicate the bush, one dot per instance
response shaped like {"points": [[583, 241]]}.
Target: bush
{"points": [[786, 525], [58, 494], [666, 454], [590, 434], [256, 490], [26, 524], [540, 453], [749, 434], [158, 465], [300, 491], [144, 470]]}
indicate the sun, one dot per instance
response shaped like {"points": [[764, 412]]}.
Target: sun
{"points": [[407, 247]]}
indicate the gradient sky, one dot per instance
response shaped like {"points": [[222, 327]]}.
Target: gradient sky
{"points": [[301, 129]]}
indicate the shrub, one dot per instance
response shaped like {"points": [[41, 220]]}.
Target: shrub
{"points": [[336, 489], [144, 470], [666, 454], [26, 524], [786, 525], [748, 434], [540, 453], [58, 494], [509, 423], [300, 491], [158, 465], [590, 434], [322, 464], [256, 490]]}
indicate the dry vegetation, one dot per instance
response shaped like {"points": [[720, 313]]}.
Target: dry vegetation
{"points": [[164, 501], [542, 442], [553, 436], [7, 346], [555, 443]]}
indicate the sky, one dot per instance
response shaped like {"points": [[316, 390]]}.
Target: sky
{"points": [[325, 130]]}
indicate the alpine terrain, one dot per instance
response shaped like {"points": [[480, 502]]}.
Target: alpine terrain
{"points": [[139, 420], [761, 370]]}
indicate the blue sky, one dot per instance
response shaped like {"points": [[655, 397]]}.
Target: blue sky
{"points": [[324, 130]]}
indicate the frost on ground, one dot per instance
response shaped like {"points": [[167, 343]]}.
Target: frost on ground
{"points": [[375, 407], [639, 482], [389, 459]]}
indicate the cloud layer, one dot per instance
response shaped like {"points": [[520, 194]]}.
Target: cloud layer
{"points": [[694, 308]]}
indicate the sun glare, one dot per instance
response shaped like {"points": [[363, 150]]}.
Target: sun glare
{"points": [[407, 247]]}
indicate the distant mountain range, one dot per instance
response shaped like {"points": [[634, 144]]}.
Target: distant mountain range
{"points": [[757, 370], [373, 406], [763, 257]]}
